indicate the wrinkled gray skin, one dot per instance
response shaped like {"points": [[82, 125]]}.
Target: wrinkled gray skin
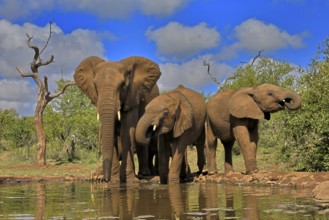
{"points": [[114, 87], [179, 117], [234, 115]]}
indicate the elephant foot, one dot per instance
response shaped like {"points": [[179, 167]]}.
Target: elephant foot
{"points": [[133, 179], [98, 176], [249, 172], [228, 171], [144, 175]]}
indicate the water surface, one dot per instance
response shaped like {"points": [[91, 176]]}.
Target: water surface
{"points": [[153, 201]]}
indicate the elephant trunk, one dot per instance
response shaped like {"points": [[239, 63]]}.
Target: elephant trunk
{"points": [[292, 100], [143, 128], [107, 113]]}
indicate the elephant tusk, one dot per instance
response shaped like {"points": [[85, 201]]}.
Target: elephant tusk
{"points": [[97, 116], [119, 115], [154, 127]]}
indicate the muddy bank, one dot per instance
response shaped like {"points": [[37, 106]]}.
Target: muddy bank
{"points": [[292, 179], [317, 182]]}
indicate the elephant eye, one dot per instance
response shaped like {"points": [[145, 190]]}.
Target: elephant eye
{"points": [[165, 113]]}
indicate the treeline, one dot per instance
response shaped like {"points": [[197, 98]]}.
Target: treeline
{"points": [[299, 138]]}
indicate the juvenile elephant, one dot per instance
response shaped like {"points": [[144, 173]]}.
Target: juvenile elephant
{"points": [[178, 117], [234, 115], [119, 91]]}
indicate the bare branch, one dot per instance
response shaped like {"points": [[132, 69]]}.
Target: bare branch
{"points": [[50, 97], [35, 48], [256, 57], [220, 85], [20, 71], [50, 32], [208, 71], [41, 63]]}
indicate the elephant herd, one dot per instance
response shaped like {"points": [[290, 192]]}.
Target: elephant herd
{"points": [[134, 117]]}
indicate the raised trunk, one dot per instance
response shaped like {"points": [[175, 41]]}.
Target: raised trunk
{"points": [[107, 114], [293, 100], [142, 129]]}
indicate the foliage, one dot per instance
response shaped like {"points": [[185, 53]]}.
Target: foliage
{"points": [[71, 124], [15, 131], [308, 131]]}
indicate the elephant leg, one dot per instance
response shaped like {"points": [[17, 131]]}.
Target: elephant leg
{"points": [[228, 162], [115, 169], [163, 157], [178, 151], [200, 147], [143, 160], [211, 147], [248, 145], [185, 170], [127, 132]]}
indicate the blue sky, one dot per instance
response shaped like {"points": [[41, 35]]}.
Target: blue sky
{"points": [[177, 34]]}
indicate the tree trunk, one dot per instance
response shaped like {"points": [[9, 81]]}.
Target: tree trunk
{"points": [[38, 126]]}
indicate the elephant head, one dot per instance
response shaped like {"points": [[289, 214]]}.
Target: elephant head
{"points": [[260, 101], [166, 113], [113, 87]]}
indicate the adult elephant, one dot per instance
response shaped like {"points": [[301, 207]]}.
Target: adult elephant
{"points": [[234, 115], [118, 90], [178, 118]]}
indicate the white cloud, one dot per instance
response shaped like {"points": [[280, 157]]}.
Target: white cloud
{"points": [[255, 35], [192, 74], [68, 50], [18, 94], [183, 41], [12, 9], [168, 7]]}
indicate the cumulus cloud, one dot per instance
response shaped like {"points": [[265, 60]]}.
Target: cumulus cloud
{"points": [[161, 8], [12, 9], [18, 94], [192, 74], [183, 41], [254, 35], [68, 50]]}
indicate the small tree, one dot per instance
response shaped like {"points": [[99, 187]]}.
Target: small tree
{"points": [[43, 97]]}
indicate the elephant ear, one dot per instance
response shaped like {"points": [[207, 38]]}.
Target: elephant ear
{"points": [[242, 105], [84, 77], [143, 75], [184, 116]]}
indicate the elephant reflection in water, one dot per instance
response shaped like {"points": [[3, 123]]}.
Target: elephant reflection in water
{"points": [[250, 203]]}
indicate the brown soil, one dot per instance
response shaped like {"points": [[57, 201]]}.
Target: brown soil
{"points": [[67, 173], [304, 180]]}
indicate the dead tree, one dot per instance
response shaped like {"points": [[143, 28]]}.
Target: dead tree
{"points": [[221, 86], [44, 96]]}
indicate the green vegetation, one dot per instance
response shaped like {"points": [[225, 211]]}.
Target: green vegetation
{"points": [[291, 140]]}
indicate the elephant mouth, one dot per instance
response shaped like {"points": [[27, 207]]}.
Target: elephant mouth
{"points": [[282, 103], [153, 130]]}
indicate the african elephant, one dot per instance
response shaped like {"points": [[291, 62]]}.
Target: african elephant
{"points": [[118, 90], [178, 118], [234, 115]]}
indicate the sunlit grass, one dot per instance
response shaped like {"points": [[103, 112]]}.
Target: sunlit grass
{"points": [[21, 162]]}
